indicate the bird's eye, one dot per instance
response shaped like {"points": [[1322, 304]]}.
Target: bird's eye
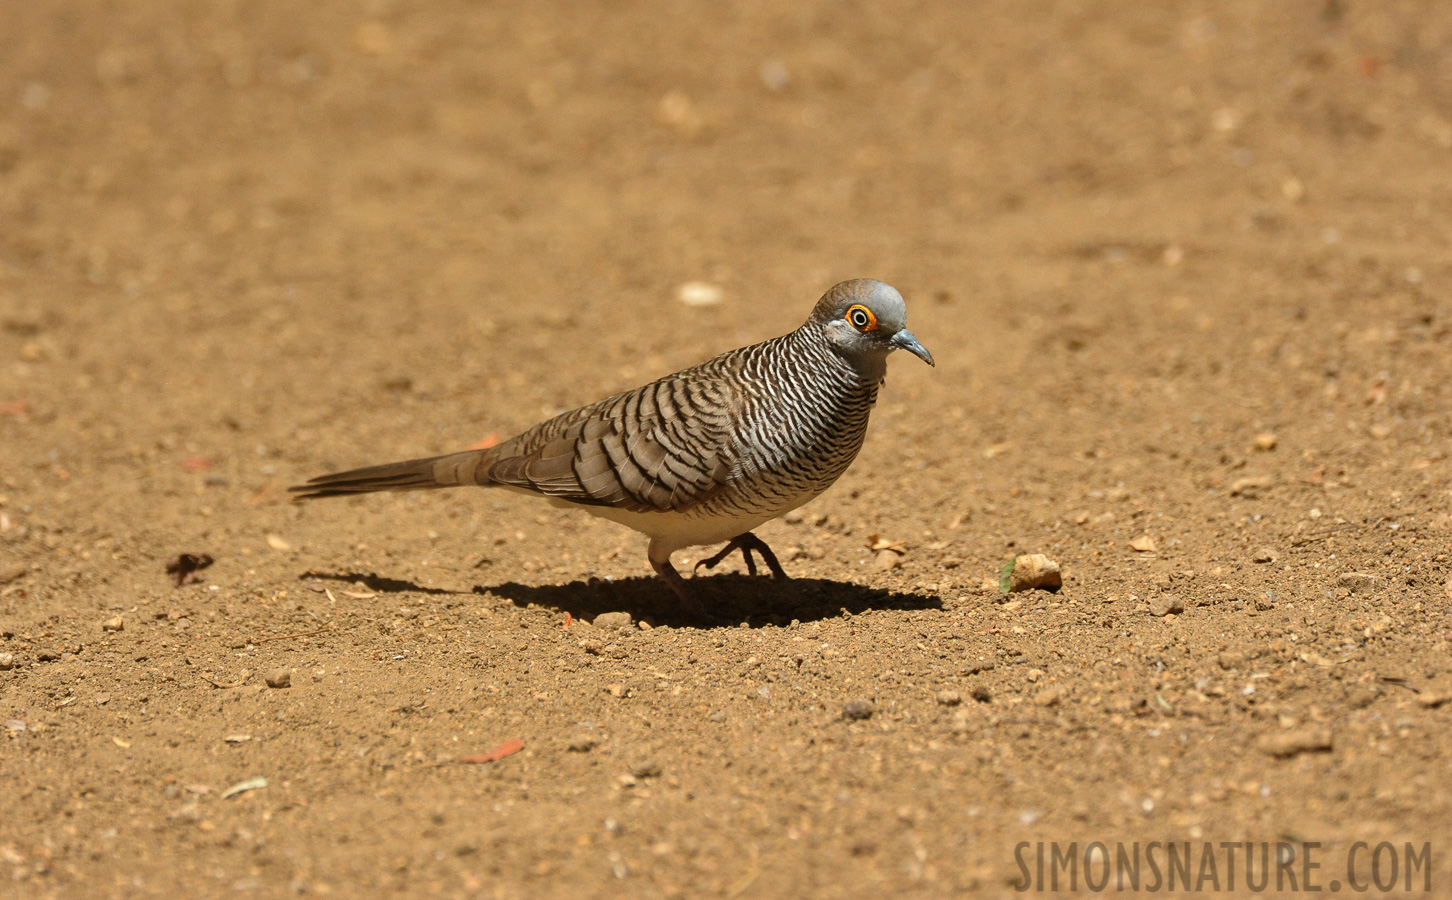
{"points": [[862, 318]]}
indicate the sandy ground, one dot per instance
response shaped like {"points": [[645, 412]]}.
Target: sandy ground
{"points": [[1187, 274]]}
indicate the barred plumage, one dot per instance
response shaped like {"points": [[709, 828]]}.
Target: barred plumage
{"points": [[703, 455]]}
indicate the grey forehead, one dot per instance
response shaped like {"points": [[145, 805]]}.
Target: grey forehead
{"points": [[883, 299]]}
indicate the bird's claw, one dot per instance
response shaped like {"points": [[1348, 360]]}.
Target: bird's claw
{"points": [[748, 544]]}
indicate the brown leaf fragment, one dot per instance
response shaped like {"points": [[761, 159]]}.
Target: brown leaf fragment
{"points": [[184, 567]]}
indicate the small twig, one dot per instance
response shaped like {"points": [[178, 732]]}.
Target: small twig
{"points": [[284, 637], [1398, 681], [1323, 534], [241, 680]]}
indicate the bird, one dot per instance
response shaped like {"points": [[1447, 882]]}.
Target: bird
{"points": [[701, 456]]}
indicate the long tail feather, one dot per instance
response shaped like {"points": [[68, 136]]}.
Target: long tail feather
{"points": [[409, 475]]}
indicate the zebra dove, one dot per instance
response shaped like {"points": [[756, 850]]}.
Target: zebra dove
{"points": [[701, 456]]}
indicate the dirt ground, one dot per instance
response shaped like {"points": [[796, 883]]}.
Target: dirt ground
{"points": [[1187, 272]]}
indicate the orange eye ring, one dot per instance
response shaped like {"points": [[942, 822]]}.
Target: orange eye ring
{"points": [[861, 318]]}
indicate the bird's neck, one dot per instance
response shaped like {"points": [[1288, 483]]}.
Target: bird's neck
{"points": [[868, 370]]}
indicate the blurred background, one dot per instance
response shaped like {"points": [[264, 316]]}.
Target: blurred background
{"points": [[1183, 266]]}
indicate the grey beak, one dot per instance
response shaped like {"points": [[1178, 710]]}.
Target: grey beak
{"points": [[904, 340]]}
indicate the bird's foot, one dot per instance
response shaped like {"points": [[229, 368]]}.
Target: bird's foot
{"points": [[746, 543], [678, 586]]}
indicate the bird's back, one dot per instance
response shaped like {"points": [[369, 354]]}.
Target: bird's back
{"points": [[751, 431]]}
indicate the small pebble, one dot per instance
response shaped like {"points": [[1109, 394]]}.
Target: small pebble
{"points": [[1251, 486], [887, 560], [612, 620], [1230, 659], [857, 710], [699, 293], [1359, 582], [1265, 441], [113, 624], [48, 655], [1166, 604], [1264, 555], [1035, 571], [583, 744], [7, 662], [1296, 741], [980, 693], [278, 678], [1051, 696], [1143, 544], [1362, 696], [648, 769], [948, 698]]}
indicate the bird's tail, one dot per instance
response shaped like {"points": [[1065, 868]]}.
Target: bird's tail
{"points": [[469, 467]]}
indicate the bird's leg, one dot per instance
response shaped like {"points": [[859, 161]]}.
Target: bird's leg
{"points": [[662, 566], [731, 547], [751, 542], [746, 543]]}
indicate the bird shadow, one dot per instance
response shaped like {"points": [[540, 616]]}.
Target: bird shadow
{"points": [[757, 601], [376, 583]]}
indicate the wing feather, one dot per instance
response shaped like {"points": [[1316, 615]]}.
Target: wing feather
{"points": [[631, 451]]}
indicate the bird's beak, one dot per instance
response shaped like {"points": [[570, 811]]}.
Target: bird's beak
{"points": [[904, 340]]}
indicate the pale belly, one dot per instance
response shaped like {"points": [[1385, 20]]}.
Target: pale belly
{"points": [[672, 531]]}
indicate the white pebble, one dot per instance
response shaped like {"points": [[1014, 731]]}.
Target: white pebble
{"points": [[699, 293]]}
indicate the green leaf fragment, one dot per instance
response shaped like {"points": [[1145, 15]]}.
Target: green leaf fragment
{"points": [[1005, 575]]}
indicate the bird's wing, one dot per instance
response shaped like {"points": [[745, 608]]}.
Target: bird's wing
{"points": [[664, 446]]}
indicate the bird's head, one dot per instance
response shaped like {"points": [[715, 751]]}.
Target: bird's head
{"points": [[866, 320]]}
